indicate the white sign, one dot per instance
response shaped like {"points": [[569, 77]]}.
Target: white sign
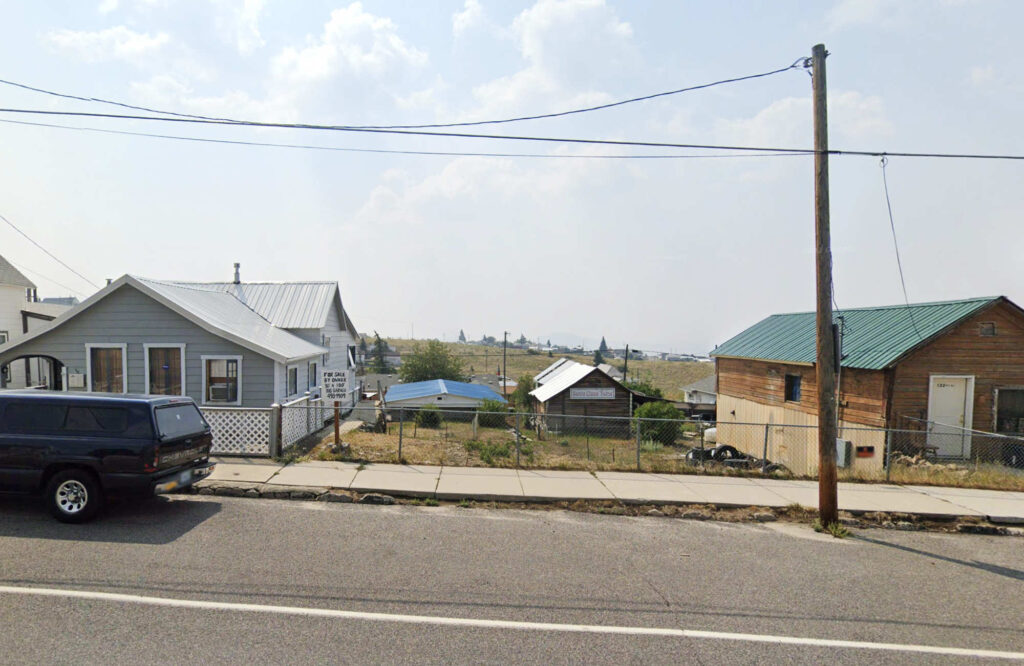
{"points": [[592, 394], [335, 384]]}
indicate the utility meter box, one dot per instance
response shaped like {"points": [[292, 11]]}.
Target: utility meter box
{"points": [[844, 450]]}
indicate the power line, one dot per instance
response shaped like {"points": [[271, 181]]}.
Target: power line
{"points": [[387, 151], [892, 225], [50, 254], [797, 63], [47, 278], [507, 137]]}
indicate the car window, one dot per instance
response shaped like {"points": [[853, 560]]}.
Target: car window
{"points": [[96, 419], [179, 421], [38, 417]]}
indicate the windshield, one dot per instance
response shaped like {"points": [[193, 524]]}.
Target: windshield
{"points": [[175, 421]]}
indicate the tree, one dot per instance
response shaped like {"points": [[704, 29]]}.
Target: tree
{"points": [[521, 396], [522, 340], [462, 335], [433, 361], [379, 364], [362, 345], [643, 386], [604, 346], [489, 340], [598, 359], [549, 343], [661, 430]]}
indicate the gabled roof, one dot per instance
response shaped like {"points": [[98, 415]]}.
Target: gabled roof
{"points": [[12, 277], [284, 304], [214, 311], [440, 387], [549, 373], [706, 385], [565, 378], [873, 338]]}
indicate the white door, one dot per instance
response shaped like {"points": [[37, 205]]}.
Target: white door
{"points": [[949, 411]]}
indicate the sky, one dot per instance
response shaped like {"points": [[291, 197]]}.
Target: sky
{"points": [[667, 254]]}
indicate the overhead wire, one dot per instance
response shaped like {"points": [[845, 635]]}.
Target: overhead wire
{"points": [[45, 277], [390, 151], [599, 107], [48, 253], [899, 264]]}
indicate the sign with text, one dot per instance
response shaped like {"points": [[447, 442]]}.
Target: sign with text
{"points": [[335, 384], [592, 394]]}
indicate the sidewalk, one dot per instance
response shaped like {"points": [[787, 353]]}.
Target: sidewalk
{"points": [[512, 485]]}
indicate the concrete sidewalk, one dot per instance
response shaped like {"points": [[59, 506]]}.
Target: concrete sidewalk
{"points": [[512, 485]]}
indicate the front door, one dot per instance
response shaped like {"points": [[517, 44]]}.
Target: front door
{"points": [[949, 409]]}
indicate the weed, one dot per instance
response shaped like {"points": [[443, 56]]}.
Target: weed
{"points": [[651, 446], [361, 467], [464, 503], [489, 452], [838, 530], [430, 501], [563, 442]]}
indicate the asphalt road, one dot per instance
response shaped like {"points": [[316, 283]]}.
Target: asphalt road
{"points": [[522, 566]]}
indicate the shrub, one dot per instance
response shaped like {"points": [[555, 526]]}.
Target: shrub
{"points": [[492, 413], [428, 416], [663, 432], [489, 452]]}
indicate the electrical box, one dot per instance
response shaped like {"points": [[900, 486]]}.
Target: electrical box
{"points": [[843, 451]]}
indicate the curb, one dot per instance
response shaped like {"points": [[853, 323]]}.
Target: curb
{"points": [[761, 514]]}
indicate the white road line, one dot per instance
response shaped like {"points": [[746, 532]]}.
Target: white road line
{"points": [[505, 624]]}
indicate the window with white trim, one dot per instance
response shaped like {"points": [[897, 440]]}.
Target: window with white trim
{"points": [[311, 384], [293, 381], [106, 365], [4, 337], [222, 379], [165, 369]]}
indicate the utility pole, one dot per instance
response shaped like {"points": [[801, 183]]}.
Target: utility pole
{"points": [[828, 510], [625, 367], [504, 363]]}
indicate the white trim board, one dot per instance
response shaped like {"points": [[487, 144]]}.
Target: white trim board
{"points": [[146, 346]]}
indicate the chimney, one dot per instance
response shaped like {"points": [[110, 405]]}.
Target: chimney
{"points": [[238, 278], [109, 280]]}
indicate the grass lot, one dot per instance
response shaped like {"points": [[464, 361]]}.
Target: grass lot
{"points": [[669, 376], [981, 476]]}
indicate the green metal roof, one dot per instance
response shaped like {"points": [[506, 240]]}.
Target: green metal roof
{"points": [[873, 338]]}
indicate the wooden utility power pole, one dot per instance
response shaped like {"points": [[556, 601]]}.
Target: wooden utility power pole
{"points": [[504, 364], [825, 366]]}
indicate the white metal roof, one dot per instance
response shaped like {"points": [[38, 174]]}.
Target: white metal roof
{"points": [[45, 309], [11, 276], [563, 380], [218, 312], [283, 304], [550, 372]]}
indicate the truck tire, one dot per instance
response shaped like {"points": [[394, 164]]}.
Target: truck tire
{"points": [[73, 496]]}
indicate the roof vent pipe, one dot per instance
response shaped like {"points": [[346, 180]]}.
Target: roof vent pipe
{"points": [[238, 278]]}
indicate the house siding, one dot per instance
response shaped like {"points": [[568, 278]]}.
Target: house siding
{"points": [[128, 316]]}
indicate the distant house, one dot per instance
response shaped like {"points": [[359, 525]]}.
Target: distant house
{"points": [[567, 390], [939, 367], [237, 343], [700, 393], [442, 393], [22, 312], [612, 371]]}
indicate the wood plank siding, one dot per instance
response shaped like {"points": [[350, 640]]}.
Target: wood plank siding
{"points": [[994, 361], [862, 393]]}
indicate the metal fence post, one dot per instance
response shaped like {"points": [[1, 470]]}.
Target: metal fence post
{"points": [[309, 419], [764, 458], [638, 445], [401, 424], [275, 430], [517, 438], [337, 422], [888, 455]]}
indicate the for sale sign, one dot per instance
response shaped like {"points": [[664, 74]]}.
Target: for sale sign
{"points": [[335, 384]]}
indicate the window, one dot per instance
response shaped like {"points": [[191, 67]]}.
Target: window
{"points": [[105, 367], [222, 379], [293, 381], [23, 417], [4, 337], [176, 421], [1010, 411], [165, 369], [987, 329], [312, 376], [793, 388], [130, 421], [351, 356]]}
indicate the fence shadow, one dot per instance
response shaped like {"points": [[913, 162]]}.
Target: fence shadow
{"points": [[153, 521]]}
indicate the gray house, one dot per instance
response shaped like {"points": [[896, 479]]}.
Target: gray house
{"points": [[222, 343]]}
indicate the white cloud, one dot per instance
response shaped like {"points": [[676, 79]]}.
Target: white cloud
{"points": [[117, 43], [353, 42], [471, 15], [242, 25], [107, 6], [983, 76]]}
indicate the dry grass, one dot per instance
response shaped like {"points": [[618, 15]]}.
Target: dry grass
{"points": [[669, 376], [979, 476]]}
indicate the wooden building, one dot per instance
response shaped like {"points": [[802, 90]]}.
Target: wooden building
{"points": [[570, 394], [942, 368]]}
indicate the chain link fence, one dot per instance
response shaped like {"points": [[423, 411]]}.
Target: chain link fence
{"points": [[506, 439]]}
